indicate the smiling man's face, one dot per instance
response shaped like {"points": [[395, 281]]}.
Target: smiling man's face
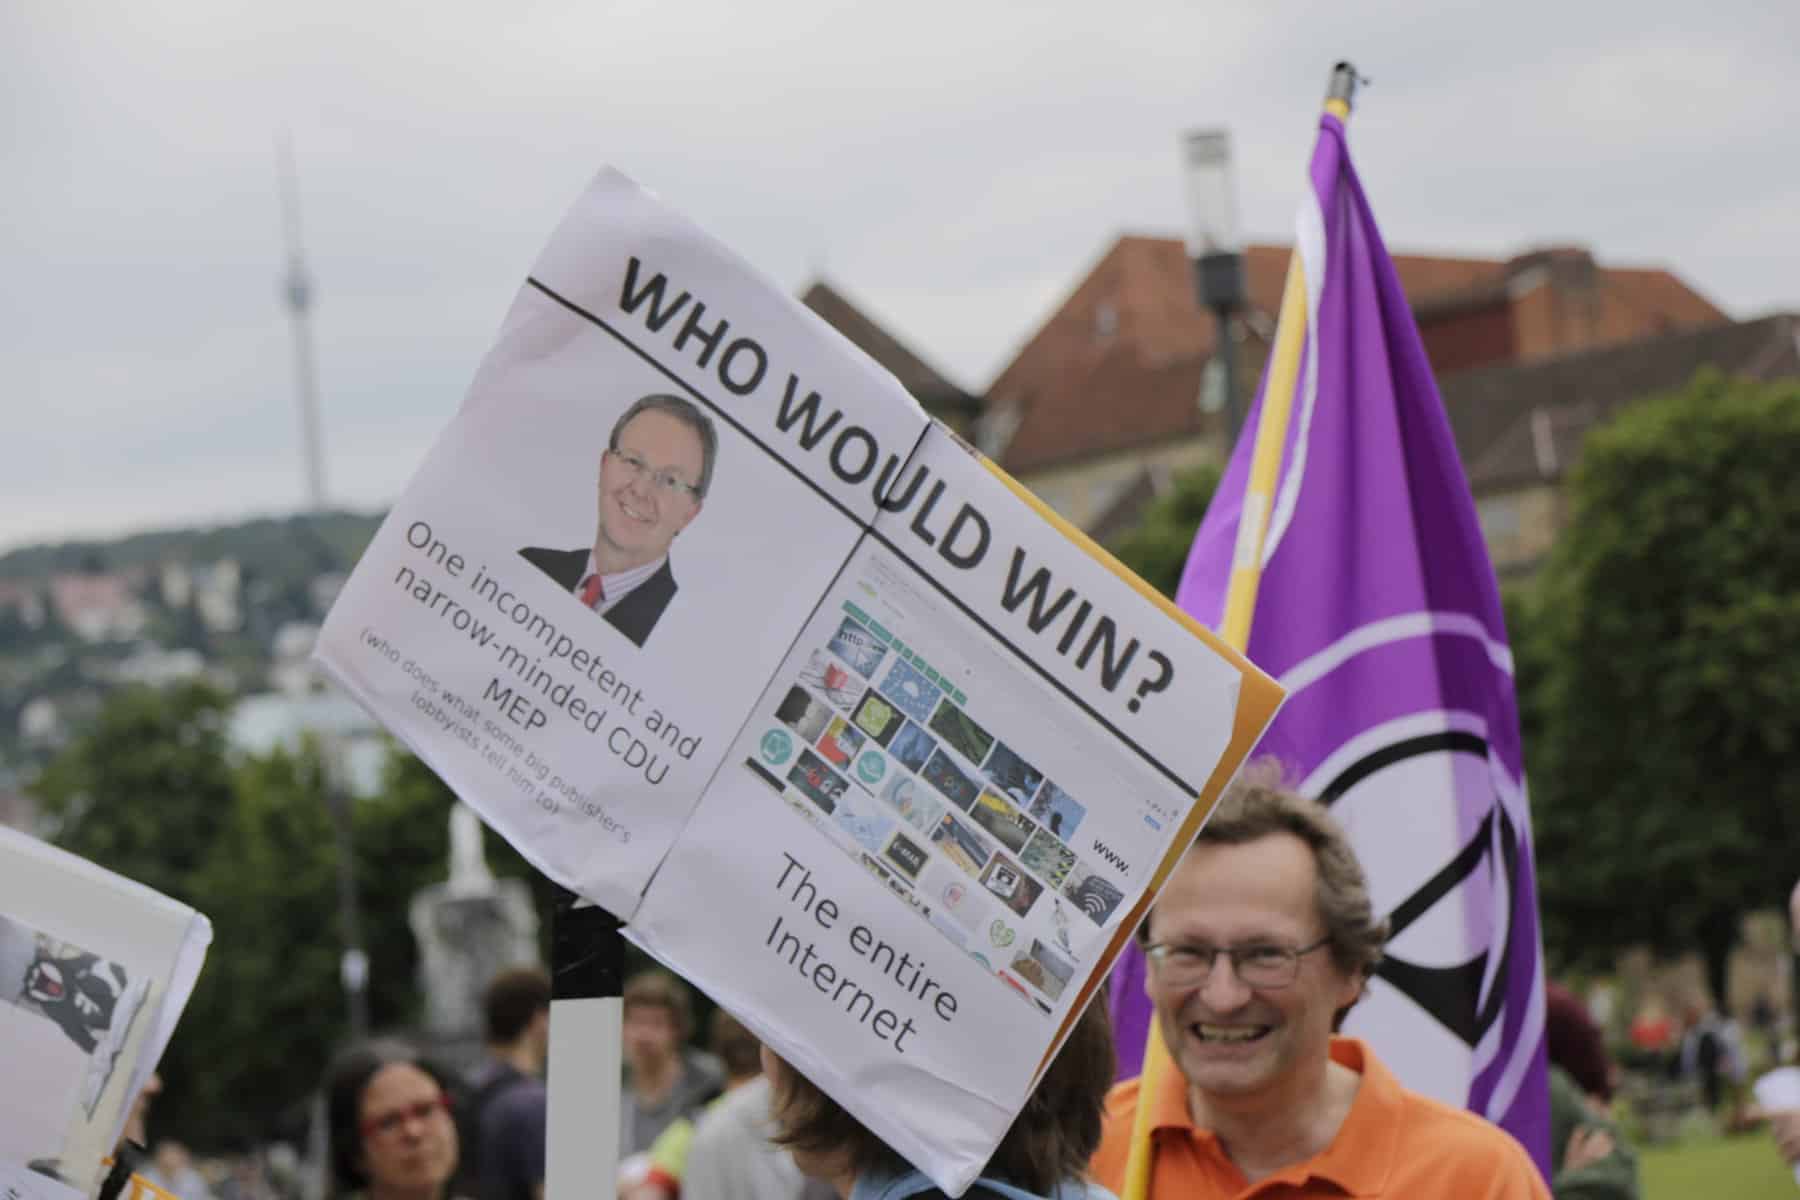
{"points": [[1232, 1040], [638, 516]]}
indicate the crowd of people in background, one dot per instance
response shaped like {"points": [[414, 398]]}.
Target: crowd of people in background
{"points": [[1262, 941], [271, 1172]]}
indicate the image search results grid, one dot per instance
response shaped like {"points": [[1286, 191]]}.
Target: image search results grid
{"points": [[878, 748]]}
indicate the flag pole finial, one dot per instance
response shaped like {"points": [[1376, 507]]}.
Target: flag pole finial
{"points": [[1342, 90]]}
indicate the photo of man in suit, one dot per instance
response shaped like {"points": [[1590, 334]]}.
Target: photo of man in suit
{"points": [[654, 474]]}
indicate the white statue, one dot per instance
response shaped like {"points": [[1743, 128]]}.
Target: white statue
{"points": [[469, 872], [467, 929]]}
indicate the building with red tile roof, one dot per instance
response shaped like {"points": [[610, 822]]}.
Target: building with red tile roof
{"points": [[1520, 427], [941, 398], [1114, 385]]}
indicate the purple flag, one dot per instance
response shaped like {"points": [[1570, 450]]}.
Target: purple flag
{"points": [[1379, 613]]}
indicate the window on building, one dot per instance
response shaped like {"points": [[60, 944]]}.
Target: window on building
{"points": [[1106, 320], [1499, 517], [995, 427]]}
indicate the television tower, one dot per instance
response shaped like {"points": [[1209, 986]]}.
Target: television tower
{"points": [[296, 290]]}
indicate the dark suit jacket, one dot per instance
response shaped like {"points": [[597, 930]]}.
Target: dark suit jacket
{"points": [[636, 612]]}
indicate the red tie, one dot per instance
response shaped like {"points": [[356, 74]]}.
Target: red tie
{"points": [[591, 591]]}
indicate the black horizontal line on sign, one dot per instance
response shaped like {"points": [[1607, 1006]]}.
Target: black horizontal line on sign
{"points": [[1067, 693]]}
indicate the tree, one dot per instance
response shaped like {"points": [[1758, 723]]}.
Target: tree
{"points": [[268, 1009], [149, 790], [271, 1008], [1157, 548], [1664, 641], [145, 789]]}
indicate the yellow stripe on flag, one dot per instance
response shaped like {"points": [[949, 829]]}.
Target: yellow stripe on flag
{"points": [[1265, 460], [1234, 630]]}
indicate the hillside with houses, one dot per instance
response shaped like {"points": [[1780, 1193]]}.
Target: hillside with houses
{"points": [[235, 605]]}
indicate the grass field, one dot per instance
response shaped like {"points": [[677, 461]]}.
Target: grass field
{"points": [[1717, 1168]]}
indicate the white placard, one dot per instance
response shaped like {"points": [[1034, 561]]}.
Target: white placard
{"points": [[18, 1183], [900, 758], [94, 973]]}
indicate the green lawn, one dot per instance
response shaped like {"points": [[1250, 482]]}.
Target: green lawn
{"points": [[1717, 1168]]}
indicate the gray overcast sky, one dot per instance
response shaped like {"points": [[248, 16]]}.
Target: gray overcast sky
{"points": [[954, 168]]}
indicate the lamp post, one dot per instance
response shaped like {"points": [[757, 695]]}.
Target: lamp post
{"points": [[353, 965], [1215, 251]]}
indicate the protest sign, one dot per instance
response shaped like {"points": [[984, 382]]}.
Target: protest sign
{"points": [[94, 972], [995, 785], [890, 760], [585, 737], [22, 1183]]}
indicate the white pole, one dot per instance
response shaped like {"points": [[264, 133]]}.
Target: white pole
{"points": [[587, 967]]}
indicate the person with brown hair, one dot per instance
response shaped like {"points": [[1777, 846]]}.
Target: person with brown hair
{"points": [[387, 1109], [663, 1079], [1044, 1154], [503, 1117], [1262, 940], [1590, 1157]]}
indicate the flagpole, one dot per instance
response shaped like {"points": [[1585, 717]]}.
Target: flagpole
{"points": [[1272, 428], [1246, 575], [1265, 458]]}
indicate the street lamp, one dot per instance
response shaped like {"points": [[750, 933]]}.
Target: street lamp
{"points": [[353, 965], [1214, 248]]}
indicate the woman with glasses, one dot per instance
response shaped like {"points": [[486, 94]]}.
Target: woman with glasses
{"points": [[392, 1137]]}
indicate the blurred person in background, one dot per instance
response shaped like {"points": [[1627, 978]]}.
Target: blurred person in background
{"points": [[388, 1113], [1712, 1052], [501, 1118], [724, 1152], [247, 1179], [732, 1157], [1044, 1154], [1652, 1032], [664, 1080], [1784, 1123], [1591, 1159], [1767, 1025], [281, 1162], [171, 1168]]}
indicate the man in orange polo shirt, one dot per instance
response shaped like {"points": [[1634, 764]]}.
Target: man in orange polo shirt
{"points": [[1258, 947]]}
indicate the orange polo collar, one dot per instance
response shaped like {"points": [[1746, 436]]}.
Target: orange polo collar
{"points": [[1359, 1159]]}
